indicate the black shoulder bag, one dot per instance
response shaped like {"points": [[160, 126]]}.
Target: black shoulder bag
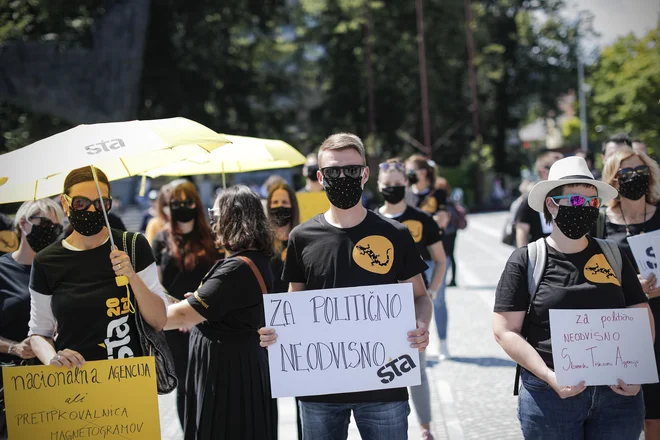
{"points": [[153, 343]]}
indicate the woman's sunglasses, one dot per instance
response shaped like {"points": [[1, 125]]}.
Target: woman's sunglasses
{"points": [[626, 174], [353, 171], [577, 200], [392, 166], [81, 203], [178, 204]]}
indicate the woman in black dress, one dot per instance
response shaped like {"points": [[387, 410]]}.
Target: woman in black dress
{"points": [[637, 177], [228, 385], [184, 251]]}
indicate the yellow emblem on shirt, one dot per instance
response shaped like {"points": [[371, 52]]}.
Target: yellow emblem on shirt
{"points": [[8, 241], [598, 270], [374, 254], [416, 229]]}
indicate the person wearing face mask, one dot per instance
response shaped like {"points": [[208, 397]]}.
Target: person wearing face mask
{"points": [[310, 171], [38, 224], [570, 200], [634, 212], [423, 193], [348, 246], [73, 290], [284, 215], [426, 234], [162, 217], [184, 251]]}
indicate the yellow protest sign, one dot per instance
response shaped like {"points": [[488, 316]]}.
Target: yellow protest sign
{"points": [[113, 399], [312, 204]]}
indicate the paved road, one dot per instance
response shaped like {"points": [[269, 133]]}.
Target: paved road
{"points": [[471, 393]]}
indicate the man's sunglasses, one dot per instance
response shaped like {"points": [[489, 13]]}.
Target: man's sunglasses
{"points": [[626, 174], [353, 171], [81, 203], [577, 200], [392, 166], [178, 204]]}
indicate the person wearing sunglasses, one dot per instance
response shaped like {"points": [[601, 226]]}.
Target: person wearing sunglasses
{"points": [[349, 246], [73, 287], [570, 200], [634, 212], [392, 184], [184, 251], [423, 193]]}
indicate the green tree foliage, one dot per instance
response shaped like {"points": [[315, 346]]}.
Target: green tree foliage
{"points": [[626, 88]]}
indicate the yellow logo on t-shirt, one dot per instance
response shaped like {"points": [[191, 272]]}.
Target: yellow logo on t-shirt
{"points": [[8, 241], [598, 270], [374, 254], [416, 229], [430, 205]]}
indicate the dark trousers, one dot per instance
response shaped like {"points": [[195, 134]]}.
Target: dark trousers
{"points": [[179, 344]]}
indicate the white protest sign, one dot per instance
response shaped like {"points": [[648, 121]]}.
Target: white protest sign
{"points": [[342, 340], [603, 345], [642, 249], [656, 248]]}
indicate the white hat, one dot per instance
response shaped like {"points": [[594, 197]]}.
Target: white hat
{"points": [[569, 171]]}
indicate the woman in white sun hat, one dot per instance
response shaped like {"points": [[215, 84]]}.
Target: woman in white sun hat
{"points": [[570, 200]]}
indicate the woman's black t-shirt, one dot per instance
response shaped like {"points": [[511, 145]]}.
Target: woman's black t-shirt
{"points": [[14, 302], [617, 233], [424, 230], [93, 314], [584, 280], [176, 282]]}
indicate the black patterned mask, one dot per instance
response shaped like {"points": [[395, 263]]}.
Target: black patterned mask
{"points": [[43, 234], [343, 192], [281, 216], [576, 221], [87, 223], [635, 188]]}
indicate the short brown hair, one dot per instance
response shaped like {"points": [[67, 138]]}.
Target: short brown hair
{"points": [[343, 141], [84, 174], [559, 191], [242, 222]]}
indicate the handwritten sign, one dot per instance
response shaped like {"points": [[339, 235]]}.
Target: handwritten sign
{"points": [[342, 340], [312, 204], [102, 400], [601, 346], [642, 249], [655, 241]]}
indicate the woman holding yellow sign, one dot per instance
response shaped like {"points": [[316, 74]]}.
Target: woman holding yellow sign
{"points": [[570, 270], [74, 291]]}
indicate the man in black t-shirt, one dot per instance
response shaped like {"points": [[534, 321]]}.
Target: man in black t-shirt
{"points": [[529, 224], [349, 246]]}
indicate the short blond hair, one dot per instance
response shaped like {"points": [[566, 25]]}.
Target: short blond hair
{"points": [[343, 141], [32, 208], [613, 164]]}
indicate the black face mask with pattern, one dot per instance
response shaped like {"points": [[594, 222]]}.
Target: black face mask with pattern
{"points": [[576, 221], [635, 188], [87, 223], [281, 216], [343, 192], [43, 235]]}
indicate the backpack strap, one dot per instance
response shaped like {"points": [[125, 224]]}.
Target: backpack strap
{"points": [[600, 223], [613, 256], [537, 259], [256, 272]]}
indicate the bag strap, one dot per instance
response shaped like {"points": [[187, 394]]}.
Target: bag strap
{"points": [[613, 256], [256, 272], [537, 259], [600, 223]]}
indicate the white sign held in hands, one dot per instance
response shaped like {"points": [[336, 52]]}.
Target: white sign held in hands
{"points": [[342, 340], [642, 249], [601, 346]]}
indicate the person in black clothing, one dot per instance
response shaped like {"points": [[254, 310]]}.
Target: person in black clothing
{"points": [[423, 193], [228, 386], [73, 289], [426, 234], [570, 199], [184, 252], [529, 224], [349, 246], [637, 177], [39, 224]]}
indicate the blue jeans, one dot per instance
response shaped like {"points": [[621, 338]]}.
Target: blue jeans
{"points": [[439, 304], [596, 413], [375, 421]]}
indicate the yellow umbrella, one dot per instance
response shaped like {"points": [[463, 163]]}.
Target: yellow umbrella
{"points": [[242, 155], [120, 149]]}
